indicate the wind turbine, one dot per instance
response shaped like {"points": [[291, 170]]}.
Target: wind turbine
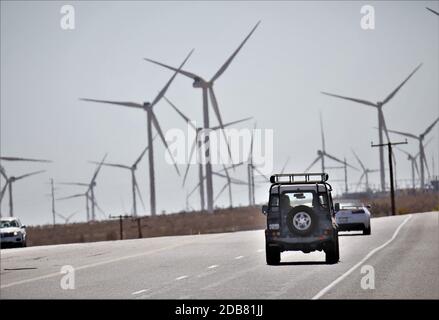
{"points": [[420, 139], [365, 173], [208, 92], [229, 182], [381, 121], [91, 187], [66, 218], [152, 121], [197, 142], [90, 201], [134, 186], [413, 161], [80, 195], [322, 154], [435, 12], [9, 182]]}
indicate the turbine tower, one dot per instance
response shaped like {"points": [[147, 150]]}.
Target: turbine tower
{"points": [[381, 121]]}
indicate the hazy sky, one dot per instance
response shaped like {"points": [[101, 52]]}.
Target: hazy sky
{"points": [[298, 50]]}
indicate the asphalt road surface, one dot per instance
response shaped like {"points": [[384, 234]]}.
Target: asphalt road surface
{"points": [[399, 260]]}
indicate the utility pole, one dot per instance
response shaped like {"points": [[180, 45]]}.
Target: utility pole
{"points": [[120, 217], [392, 187], [53, 200]]}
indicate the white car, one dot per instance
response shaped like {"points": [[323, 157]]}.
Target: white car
{"points": [[351, 217], [12, 232]]}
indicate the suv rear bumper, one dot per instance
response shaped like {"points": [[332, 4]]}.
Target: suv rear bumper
{"points": [[305, 244], [351, 226]]}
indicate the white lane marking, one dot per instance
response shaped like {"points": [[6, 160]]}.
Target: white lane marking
{"points": [[140, 291], [96, 264], [239, 257], [212, 266], [370, 254], [181, 278]]}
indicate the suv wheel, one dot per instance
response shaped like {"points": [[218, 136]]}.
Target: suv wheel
{"points": [[366, 231], [272, 255], [301, 220], [332, 252]]}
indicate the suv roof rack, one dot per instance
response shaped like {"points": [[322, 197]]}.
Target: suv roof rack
{"points": [[299, 178]]}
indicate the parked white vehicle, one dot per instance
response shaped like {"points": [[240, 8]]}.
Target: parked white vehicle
{"points": [[12, 232], [351, 217]]}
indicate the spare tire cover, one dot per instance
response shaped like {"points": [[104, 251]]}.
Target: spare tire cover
{"points": [[301, 220]]}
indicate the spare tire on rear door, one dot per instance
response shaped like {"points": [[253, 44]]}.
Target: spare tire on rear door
{"points": [[301, 220]]}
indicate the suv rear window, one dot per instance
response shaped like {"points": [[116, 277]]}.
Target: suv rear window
{"points": [[294, 199]]}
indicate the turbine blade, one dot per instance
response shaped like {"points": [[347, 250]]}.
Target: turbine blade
{"points": [[106, 164], [430, 127], [259, 171], [189, 122], [405, 152], [119, 103], [95, 175], [221, 191], [74, 184], [73, 196], [359, 161], [361, 179], [195, 188], [165, 88], [60, 216], [340, 161], [160, 132], [3, 173], [71, 215], [194, 142], [231, 123], [406, 134], [183, 72], [136, 185], [23, 159], [351, 99], [380, 110], [322, 133], [313, 163], [390, 96], [426, 166], [234, 166], [218, 115], [238, 181], [285, 165], [228, 61], [416, 166], [29, 174], [435, 12], [2, 193]]}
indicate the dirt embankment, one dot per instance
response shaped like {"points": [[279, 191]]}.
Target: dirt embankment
{"points": [[223, 220]]}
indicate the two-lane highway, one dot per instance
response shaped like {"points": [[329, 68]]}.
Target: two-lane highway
{"points": [[402, 252]]}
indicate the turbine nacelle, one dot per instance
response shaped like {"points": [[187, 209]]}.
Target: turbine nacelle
{"points": [[200, 83]]}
